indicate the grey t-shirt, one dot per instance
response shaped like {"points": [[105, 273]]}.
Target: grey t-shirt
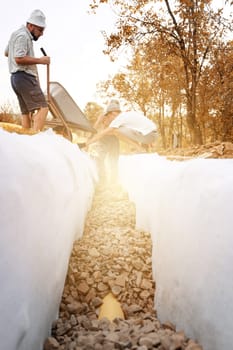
{"points": [[20, 45]]}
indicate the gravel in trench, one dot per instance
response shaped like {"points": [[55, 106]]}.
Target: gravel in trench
{"points": [[112, 256]]}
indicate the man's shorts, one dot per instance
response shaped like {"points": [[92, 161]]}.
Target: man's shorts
{"points": [[28, 91]]}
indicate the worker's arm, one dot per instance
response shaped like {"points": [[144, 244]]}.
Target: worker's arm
{"points": [[99, 122], [27, 60], [99, 135]]}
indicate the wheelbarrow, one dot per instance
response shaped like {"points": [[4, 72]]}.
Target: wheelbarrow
{"points": [[66, 114]]}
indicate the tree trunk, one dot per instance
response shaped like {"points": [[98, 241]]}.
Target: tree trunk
{"points": [[194, 128], [227, 132]]}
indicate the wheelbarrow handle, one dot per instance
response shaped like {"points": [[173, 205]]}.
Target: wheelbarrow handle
{"points": [[48, 92]]}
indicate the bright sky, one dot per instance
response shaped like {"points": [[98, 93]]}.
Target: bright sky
{"points": [[72, 38]]}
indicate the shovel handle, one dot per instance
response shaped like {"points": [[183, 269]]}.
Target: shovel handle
{"points": [[48, 93], [43, 51]]}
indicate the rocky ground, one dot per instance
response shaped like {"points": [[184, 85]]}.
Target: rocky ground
{"points": [[112, 256]]}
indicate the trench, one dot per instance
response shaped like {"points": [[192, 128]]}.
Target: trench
{"points": [[112, 257]]}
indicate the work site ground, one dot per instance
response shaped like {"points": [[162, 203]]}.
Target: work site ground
{"points": [[108, 298]]}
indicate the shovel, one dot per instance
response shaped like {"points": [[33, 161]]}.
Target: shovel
{"points": [[48, 92]]}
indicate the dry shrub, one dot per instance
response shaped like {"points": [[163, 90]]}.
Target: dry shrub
{"points": [[16, 128]]}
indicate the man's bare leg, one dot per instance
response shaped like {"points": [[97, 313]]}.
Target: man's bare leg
{"points": [[39, 118], [26, 121]]}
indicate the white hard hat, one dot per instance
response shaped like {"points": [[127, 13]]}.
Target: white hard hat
{"points": [[38, 18], [113, 106]]}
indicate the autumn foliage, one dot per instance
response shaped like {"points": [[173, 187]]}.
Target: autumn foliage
{"points": [[179, 71]]}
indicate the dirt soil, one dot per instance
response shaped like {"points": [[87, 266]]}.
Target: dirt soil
{"points": [[210, 150], [112, 256]]}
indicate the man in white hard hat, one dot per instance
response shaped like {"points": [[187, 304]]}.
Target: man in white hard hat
{"points": [[132, 127], [22, 65]]}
